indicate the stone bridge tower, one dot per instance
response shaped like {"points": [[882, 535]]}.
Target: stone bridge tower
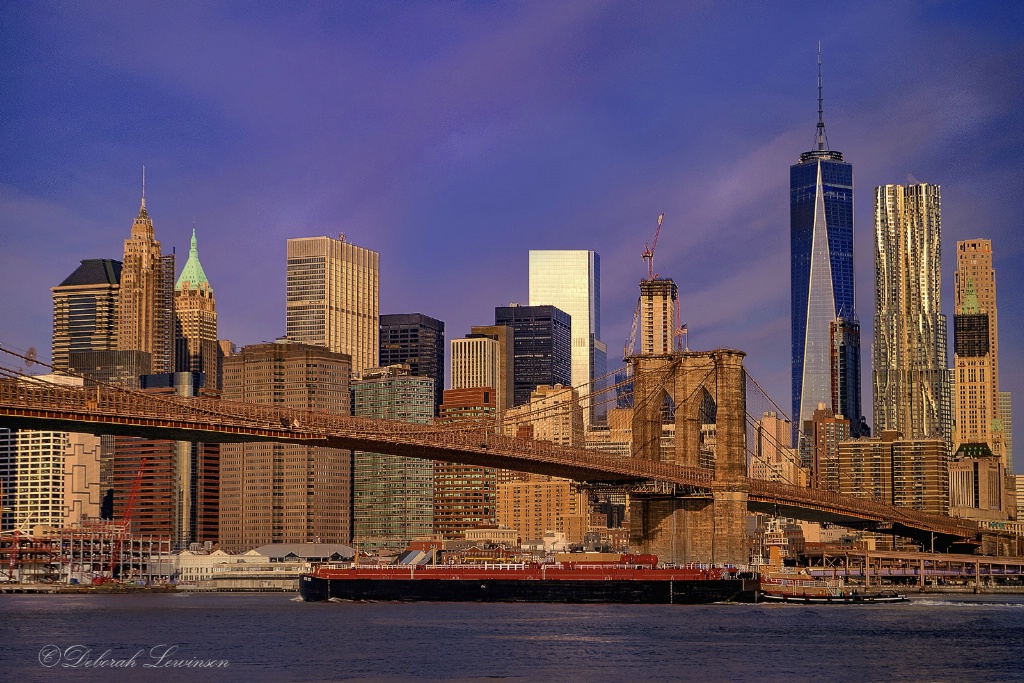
{"points": [[708, 390]]}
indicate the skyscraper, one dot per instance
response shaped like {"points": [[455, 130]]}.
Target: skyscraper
{"points": [[85, 310], [393, 495], [821, 266], [195, 312], [909, 349], [282, 493], [464, 496], [333, 297], [976, 349], [145, 314], [1006, 415], [416, 340], [658, 299], [504, 335], [571, 280], [844, 337], [542, 345], [476, 362]]}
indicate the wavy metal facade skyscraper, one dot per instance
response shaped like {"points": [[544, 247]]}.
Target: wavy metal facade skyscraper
{"points": [[909, 352], [821, 271]]}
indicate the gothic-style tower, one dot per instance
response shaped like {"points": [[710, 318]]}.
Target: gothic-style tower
{"points": [[146, 305], [195, 312]]}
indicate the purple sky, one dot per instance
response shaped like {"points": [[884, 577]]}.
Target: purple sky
{"points": [[454, 137]]}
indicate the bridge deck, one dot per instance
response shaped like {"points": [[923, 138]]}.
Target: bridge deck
{"points": [[107, 410]]}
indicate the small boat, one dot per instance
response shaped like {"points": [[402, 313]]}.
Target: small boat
{"points": [[799, 587]]}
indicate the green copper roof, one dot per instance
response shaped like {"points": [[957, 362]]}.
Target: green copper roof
{"points": [[192, 273]]}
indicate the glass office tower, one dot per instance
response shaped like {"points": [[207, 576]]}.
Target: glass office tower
{"points": [[821, 269], [571, 280], [541, 343], [418, 340]]}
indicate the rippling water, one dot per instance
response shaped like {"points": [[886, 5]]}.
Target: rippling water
{"points": [[270, 637]]}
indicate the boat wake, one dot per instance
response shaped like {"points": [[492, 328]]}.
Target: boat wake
{"points": [[965, 603]]}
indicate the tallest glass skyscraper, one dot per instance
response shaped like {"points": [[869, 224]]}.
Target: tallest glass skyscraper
{"points": [[821, 243]]}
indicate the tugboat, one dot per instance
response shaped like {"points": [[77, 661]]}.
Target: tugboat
{"points": [[797, 586]]}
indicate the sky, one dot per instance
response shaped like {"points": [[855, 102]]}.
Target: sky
{"points": [[452, 138]]}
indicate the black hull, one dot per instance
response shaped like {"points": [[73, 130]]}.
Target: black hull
{"points": [[313, 589]]}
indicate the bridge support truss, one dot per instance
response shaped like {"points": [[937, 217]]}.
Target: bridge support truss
{"points": [[706, 388]]}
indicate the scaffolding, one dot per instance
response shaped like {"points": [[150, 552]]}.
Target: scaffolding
{"points": [[92, 553]]}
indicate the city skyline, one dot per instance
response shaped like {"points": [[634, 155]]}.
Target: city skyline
{"points": [[536, 128]]}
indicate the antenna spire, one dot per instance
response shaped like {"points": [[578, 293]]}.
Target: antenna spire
{"points": [[143, 187], [822, 139]]}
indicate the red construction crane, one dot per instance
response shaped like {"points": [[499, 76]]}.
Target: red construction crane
{"points": [[126, 522], [649, 250]]}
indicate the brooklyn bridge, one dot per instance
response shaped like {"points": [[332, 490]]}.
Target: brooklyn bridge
{"points": [[679, 509]]}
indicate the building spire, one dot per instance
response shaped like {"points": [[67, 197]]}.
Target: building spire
{"points": [[142, 207], [822, 138], [192, 275]]}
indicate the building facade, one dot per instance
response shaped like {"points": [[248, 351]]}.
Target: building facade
{"points": [[911, 473], [542, 346], [774, 457], [415, 340], [535, 507], [909, 375], [505, 336], [571, 281], [145, 313], [976, 349], [85, 309], [844, 335], [821, 266], [195, 313], [393, 495], [553, 414], [465, 497], [1006, 415], [48, 478], [282, 493], [658, 299], [179, 490], [978, 485], [476, 362], [333, 298], [826, 431]]}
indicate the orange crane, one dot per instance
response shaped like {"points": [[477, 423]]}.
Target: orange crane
{"points": [[648, 254], [126, 521]]}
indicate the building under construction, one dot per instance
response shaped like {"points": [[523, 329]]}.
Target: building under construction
{"points": [[92, 553]]}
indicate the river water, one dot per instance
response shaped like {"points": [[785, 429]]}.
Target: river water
{"points": [[271, 637]]}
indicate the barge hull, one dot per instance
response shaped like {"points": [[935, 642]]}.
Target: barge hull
{"points": [[692, 592]]}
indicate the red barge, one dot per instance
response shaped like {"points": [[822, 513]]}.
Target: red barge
{"points": [[634, 579]]}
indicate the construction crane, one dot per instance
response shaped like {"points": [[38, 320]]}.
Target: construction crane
{"points": [[648, 254], [631, 342], [126, 521]]}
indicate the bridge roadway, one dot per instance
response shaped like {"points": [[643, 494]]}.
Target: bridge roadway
{"points": [[26, 404]]}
